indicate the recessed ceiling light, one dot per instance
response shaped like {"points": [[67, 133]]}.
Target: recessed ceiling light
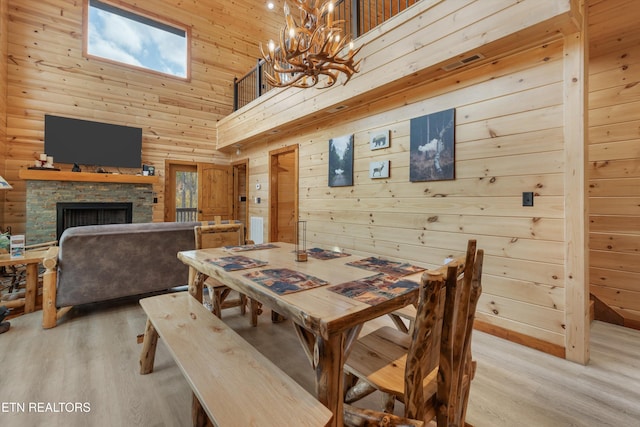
{"points": [[270, 5]]}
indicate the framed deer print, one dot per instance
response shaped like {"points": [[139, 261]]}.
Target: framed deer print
{"points": [[341, 161], [432, 147], [379, 169]]}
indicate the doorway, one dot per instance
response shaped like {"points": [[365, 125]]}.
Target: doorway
{"points": [[241, 193], [181, 192], [283, 194], [197, 191]]}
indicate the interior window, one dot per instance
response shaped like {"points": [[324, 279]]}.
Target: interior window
{"points": [[129, 38]]}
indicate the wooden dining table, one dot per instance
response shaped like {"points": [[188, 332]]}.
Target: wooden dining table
{"points": [[326, 322]]}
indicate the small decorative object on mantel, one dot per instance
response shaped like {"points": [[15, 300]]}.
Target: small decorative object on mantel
{"points": [[76, 168], [310, 48], [148, 170], [44, 163], [301, 235]]}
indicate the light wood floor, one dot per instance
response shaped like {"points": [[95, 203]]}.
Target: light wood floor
{"points": [[91, 359]]}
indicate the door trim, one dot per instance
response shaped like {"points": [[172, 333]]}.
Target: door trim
{"points": [[170, 167], [273, 187]]}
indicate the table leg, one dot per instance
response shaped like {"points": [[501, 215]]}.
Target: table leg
{"points": [[308, 341], [32, 288], [329, 362]]}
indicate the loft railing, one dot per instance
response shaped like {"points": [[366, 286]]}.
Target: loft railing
{"points": [[360, 17]]}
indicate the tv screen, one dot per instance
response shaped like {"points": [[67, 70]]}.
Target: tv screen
{"points": [[90, 143]]}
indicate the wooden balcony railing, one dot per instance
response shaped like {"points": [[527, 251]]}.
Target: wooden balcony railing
{"points": [[186, 214], [360, 17]]}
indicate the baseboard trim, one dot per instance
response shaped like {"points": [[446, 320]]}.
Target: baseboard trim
{"points": [[519, 338]]}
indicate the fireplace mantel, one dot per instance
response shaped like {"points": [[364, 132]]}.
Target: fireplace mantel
{"points": [[50, 175]]}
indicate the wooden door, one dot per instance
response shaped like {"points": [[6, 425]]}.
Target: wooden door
{"points": [[215, 191], [283, 194]]}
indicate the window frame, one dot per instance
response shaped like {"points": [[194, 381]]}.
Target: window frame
{"points": [[145, 15]]}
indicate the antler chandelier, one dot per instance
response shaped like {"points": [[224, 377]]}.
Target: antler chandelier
{"points": [[311, 48]]}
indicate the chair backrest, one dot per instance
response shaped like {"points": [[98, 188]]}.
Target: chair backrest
{"points": [[217, 235], [444, 325]]}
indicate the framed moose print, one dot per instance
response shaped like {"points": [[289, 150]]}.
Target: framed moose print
{"points": [[432, 146]]}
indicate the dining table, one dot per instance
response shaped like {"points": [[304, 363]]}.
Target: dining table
{"points": [[328, 297]]}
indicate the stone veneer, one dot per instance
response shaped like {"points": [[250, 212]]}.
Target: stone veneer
{"points": [[42, 197]]}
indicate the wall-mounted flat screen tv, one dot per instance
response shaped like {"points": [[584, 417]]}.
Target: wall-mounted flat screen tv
{"points": [[91, 143]]}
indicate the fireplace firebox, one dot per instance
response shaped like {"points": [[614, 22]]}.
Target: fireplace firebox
{"points": [[89, 213]]}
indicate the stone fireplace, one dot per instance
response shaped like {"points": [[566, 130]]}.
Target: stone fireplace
{"points": [[43, 197]]}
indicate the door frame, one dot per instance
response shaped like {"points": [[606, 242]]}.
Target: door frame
{"points": [[273, 187], [236, 191], [170, 167]]}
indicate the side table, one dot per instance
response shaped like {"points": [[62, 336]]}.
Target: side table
{"points": [[31, 259]]}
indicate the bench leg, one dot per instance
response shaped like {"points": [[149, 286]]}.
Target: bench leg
{"points": [[148, 355], [196, 280]]}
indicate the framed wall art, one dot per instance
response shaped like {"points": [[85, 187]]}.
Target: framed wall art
{"points": [[378, 140], [379, 169], [432, 147], [341, 161]]}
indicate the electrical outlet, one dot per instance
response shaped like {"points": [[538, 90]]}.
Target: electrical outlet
{"points": [[527, 198]]}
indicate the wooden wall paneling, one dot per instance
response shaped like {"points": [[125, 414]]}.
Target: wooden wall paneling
{"points": [[613, 157], [521, 227], [609, 29], [497, 159], [623, 279], [380, 50], [47, 74], [614, 224], [614, 242], [612, 151], [624, 301], [623, 261]]}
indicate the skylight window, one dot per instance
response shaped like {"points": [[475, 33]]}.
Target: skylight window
{"points": [[129, 38]]}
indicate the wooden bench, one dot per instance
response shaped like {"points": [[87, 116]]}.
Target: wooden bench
{"points": [[233, 384]]}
